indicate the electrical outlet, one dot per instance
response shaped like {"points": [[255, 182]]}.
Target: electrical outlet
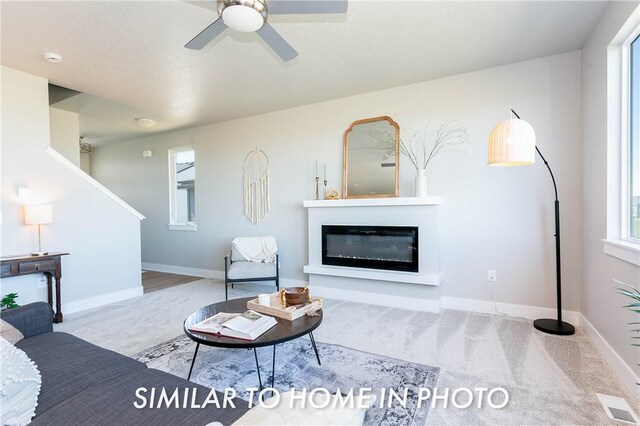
{"points": [[42, 281], [492, 276]]}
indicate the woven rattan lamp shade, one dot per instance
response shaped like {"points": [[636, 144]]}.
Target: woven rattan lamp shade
{"points": [[512, 143]]}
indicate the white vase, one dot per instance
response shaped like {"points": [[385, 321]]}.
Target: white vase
{"points": [[421, 183]]}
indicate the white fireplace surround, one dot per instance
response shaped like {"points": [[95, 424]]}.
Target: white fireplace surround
{"points": [[406, 211]]}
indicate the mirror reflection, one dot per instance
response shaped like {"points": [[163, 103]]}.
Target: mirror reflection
{"points": [[371, 158]]}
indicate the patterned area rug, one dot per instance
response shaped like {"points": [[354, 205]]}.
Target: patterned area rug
{"points": [[296, 367]]}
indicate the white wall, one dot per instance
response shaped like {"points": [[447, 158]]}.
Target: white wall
{"points": [[64, 127], [601, 305], [102, 236], [492, 218]]}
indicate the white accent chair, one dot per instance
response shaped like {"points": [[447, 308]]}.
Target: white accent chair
{"points": [[237, 270]]}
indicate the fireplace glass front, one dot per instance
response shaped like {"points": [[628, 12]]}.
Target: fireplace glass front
{"points": [[393, 248]]}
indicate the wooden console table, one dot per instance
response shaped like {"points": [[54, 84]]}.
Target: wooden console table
{"points": [[50, 265]]}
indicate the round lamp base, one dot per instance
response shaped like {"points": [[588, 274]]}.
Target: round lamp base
{"points": [[39, 253], [553, 326]]}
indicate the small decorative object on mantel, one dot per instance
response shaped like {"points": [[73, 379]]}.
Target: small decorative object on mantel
{"points": [[332, 194], [256, 185], [325, 180], [450, 137], [317, 182]]}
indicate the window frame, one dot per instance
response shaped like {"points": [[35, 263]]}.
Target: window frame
{"points": [[626, 150], [618, 242], [174, 225]]}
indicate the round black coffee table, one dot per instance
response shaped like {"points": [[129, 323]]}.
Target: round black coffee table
{"points": [[282, 332]]}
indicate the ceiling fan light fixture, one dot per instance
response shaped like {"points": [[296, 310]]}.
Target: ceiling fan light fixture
{"points": [[243, 15]]}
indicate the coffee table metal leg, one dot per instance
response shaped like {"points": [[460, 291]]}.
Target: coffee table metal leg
{"points": [[315, 349], [193, 361], [257, 367], [273, 369]]}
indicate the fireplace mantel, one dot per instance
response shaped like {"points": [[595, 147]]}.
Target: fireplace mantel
{"points": [[401, 211], [374, 202]]}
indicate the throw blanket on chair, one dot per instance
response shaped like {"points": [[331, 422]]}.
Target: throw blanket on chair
{"points": [[256, 249]]}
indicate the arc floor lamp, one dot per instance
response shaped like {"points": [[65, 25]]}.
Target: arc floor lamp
{"points": [[513, 143]]}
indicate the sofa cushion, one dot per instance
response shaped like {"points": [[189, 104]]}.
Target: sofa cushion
{"points": [[69, 365], [10, 333], [32, 319], [112, 403], [241, 270], [19, 385]]}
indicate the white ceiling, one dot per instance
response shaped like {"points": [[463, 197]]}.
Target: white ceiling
{"points": [[131, 53]]}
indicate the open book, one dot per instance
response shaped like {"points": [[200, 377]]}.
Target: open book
{"points": [[248, 326]]}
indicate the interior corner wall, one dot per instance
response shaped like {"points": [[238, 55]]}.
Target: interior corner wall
{"points": [[492, 218], [601, 305], [64, 127], [103, 238]]}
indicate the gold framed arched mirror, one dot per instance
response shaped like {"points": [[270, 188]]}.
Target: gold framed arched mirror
{"points": [[371, 158]]}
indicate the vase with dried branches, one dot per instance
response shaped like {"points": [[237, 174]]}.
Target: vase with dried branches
{"points": [[422, 148]]}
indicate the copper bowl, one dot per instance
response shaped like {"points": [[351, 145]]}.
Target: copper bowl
{"points": [[295, 295]]}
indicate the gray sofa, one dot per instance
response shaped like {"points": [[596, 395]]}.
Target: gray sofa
{"points": [[85, 384]]}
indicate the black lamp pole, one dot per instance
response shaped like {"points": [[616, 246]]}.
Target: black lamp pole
{"points": [[549, 325]]}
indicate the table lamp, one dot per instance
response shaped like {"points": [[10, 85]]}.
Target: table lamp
{"points": [[513, 143], [38, 215]]}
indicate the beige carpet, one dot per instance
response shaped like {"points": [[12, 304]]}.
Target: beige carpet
{"points": [[551, 379]]}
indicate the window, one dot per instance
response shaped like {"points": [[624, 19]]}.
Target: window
{"points": [[633, 195], [623, 151], [182, 189]]}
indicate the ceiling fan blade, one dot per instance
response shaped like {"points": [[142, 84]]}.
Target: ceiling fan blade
{"points": [[276, 42], [280, 7], [206, 35]]}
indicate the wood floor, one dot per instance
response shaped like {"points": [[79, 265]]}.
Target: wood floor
{"points": [[152, 280]]}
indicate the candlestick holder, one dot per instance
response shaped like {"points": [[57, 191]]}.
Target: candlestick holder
{"points": [[325, 189], [317, 188]]}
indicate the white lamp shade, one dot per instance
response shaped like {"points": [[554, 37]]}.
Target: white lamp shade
{"points": [[38, 215], [512, 143]]}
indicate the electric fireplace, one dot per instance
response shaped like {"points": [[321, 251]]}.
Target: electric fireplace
{"points": [[394, 248]]}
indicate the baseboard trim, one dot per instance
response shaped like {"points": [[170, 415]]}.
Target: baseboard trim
{"points": [[183, 270], [389, 300], [104, 299], [488, 307], [212, 274], [625, 373]]}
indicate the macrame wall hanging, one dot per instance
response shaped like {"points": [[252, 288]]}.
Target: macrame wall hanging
{"points": [[256, 185]]}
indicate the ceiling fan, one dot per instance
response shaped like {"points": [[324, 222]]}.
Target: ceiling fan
{"points": [[251, 16]]}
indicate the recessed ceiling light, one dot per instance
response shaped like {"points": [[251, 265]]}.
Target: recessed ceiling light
{"points": [[54, 58], [145, 122]]}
